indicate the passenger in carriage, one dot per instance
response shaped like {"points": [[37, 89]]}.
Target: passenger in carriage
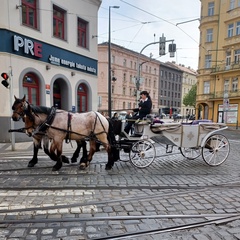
{"points": [[144, 108]]}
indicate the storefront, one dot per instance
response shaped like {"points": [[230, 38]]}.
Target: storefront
{"points": [[48, 75]]}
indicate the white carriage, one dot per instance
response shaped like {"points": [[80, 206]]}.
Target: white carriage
{"points": [[192, 139]]}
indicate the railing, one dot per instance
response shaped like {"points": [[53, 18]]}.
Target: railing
{"points": [[223, 67], [219, 94]]}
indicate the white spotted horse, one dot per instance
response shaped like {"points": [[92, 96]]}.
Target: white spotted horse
{"points": [[18, 113], [90, 126]]}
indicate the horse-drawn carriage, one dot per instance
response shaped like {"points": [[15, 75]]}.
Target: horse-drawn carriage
{"points": [[192, 139], [200, 137]]}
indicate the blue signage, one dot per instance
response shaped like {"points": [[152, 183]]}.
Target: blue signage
{"points": [[25, 46]]}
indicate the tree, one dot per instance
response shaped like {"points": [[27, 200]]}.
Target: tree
{"points": [[190, 98]]}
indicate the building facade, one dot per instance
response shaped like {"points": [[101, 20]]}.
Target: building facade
{"points": [[124, 72], [218, 90], [189, 79], [47, 49], [170, 89]]}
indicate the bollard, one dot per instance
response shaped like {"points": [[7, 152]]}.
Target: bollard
{"points": [[237, 125]]}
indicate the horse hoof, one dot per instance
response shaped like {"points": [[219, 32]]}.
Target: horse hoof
{"points": [[73, 160], [65, 159], [82, 166], [56, 167], [108, 167], [32, 163]]}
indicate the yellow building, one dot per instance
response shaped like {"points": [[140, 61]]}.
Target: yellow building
{"points": [[218, 94]]}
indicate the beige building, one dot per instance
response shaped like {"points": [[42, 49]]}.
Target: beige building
{"points": [[48, 51], [124, 73], [218, 94]]}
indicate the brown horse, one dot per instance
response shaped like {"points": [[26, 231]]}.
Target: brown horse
{"points": [[90, 126], [18, 113]]}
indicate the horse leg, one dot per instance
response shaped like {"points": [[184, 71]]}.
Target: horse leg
{"points": [[77, 151], [111, 160], [86, 159], [56, 157], [46, 150], [36, 146]]}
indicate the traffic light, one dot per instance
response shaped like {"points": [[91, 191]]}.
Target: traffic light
{"points": [[162, 45], [5, 82], [172, 49]]}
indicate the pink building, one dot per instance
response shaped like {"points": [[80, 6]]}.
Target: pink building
{"points": [[124, 72]]}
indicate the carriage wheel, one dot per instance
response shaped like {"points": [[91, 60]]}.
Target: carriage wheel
{"points": [[142, 153], [124, 155], [191, 153], [216, 150]]}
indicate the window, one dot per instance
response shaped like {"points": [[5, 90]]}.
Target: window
{"points": [[208, 59], [211, 9], [113, 59], [232, 3], [82, 33], [237, 56], [124, 77], [82, 98], [58, 22], [206, 87], [124, 62], [235, 84], [238, 28], [29, 13], [209, 35], [228, 59], [31, 89], [230, 30], [226, 85]]}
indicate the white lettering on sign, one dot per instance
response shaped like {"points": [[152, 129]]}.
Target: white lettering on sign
{"points": [[59, 61], [54, 60], [29, 47]]}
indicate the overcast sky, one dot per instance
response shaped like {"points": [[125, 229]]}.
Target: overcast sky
{"points": [[140, 22]]}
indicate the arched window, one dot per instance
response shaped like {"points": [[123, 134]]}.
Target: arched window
{"points": [[31, 88], [57, 95], [82, 98]]}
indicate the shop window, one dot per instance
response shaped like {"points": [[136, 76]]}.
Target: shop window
{"points": [[29, 13], [58, 22], [31, 88], [82, 33], [82, 96]]}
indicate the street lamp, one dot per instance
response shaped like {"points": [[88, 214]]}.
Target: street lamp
{"points": [[109, 64]]}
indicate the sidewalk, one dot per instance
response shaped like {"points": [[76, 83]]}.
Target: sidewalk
{"points": [[28, 146]]}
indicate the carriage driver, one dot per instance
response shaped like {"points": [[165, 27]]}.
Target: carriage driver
{"points": [[144, 108]]}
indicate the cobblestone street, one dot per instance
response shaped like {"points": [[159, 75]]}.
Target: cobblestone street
{"points": [[174, 198]]}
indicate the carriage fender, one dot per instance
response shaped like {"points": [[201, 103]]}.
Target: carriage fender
{"points": [[211, 133]]}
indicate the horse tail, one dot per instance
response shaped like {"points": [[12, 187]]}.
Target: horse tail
{"points": [[112, 140]]}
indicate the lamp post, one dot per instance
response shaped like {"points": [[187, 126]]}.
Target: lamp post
{"points": [[109, 64]]}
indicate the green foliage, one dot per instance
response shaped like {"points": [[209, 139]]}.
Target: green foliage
{"points": [[190, 98]]}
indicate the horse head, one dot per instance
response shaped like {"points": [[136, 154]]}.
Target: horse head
{"points": [[18, 107], [29, 120]]}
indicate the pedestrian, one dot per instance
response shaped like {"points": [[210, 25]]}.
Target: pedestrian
{"points": [[115, 116], [144, 108]]}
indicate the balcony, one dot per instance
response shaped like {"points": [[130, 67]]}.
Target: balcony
{"points": [[218, 95], [223, 68]]}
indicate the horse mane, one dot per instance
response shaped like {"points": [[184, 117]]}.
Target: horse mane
{"points": [[41, 109]]}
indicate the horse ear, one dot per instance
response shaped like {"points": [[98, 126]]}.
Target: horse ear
{"points": [[24, 98], [15, 97]]}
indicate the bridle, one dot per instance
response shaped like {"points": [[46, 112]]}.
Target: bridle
{"points": [[23, 108]]}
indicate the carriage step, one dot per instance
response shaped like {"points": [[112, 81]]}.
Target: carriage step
{"points": [[169, 148]]}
